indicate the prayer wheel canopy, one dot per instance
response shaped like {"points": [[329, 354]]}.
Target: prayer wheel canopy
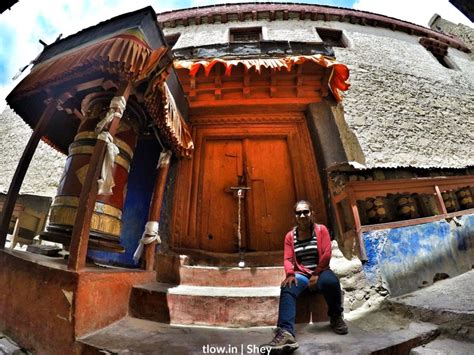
{"points": [[130, 47]]}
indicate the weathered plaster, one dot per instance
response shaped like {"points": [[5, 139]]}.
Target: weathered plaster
{"points": [[205, 34], [408, 258], [46, 166], [404, 109]]}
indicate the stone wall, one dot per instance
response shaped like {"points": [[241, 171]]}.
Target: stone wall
{"points": [[404, 107], [46, 166], [407, 258]]}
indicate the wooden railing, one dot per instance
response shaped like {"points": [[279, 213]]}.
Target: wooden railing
{"points": [[361, 190]]}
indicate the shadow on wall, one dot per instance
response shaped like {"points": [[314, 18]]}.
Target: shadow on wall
{"points": [[408, 258]]}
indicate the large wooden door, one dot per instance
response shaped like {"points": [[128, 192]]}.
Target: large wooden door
{"points": [[264, 165], [275, 160]]}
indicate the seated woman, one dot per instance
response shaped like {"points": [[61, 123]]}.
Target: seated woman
{"points": [[307, 253]]}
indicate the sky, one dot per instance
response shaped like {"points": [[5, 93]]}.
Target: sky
{"points": [[29, 21]]}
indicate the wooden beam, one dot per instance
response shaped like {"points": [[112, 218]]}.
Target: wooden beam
{"points": [[364, 189], [415, 221], [22, 168], [155, 209], [440, 201], [87, 199], [357, 224]]}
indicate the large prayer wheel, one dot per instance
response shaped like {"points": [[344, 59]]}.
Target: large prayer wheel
{"points": [[106, 219]]}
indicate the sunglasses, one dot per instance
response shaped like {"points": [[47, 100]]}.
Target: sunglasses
{"points": [[305, 213]]}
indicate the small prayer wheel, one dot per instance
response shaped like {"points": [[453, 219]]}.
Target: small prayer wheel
{"points": [[464, 197], [406, 207], [450, 201]]}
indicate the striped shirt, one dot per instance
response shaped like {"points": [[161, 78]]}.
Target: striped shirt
{"points": [[306, 250]]}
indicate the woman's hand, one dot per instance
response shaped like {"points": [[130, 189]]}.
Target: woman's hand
{"points": [[312, 282], [288, 281]]}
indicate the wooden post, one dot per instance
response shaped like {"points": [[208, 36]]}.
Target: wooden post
{"points": [[440, 201], [22, 168], [87, 198], [358, 226], [155, 205]]}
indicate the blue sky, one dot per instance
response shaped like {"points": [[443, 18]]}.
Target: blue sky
{"points": [[28, 21]]}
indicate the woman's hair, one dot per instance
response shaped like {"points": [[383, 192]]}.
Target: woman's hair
{"points": [[303, 201]]}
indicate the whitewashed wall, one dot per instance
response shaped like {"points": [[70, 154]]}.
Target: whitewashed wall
{"points": [[403, 106]]}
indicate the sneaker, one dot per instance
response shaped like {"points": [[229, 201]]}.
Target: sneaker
{"points": [[338, 325], [283, 341]]}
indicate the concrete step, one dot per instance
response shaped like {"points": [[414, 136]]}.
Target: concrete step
{"points": [[444, 346], [227, 276], [218, 306], [448, 302], [367, 335]]}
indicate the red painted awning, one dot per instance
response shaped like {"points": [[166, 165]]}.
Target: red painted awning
{"points": [[337, 80], [125, 56]]}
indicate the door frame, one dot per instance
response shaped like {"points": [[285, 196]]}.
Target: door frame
{"points": [[290, 126]]}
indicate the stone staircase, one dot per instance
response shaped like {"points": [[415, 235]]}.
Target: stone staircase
{"points": [[226, 296], [204, 309]]}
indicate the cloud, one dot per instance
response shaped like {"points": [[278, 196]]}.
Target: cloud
{"points": [[418, 12]]}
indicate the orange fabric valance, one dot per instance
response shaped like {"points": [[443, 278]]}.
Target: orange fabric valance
{"points": [[337, 81], [124, 54]]}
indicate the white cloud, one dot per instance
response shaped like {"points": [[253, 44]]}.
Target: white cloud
{"points": [[418, 12]]}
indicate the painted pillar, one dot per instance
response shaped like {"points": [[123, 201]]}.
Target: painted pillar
{"points": [[22, 168]]}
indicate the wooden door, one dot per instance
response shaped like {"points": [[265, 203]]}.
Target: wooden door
{"points": [[264, 165], [276, 160], [222, 168], [270, 201]]}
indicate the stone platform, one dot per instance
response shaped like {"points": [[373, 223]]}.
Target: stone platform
{"points": [[366, 336]]}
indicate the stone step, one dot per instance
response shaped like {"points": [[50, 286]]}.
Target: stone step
{"points": [[218, 306], [175, 269], [444, 345], [367, 335], [225, 276]]}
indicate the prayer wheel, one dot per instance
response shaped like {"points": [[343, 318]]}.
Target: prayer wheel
{"points": [[106, 219], [406, 206], [464, 196]]}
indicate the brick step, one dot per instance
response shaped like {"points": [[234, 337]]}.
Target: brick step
{"points": [[218, 306]]}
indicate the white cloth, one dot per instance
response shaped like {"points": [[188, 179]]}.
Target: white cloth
{"points": [[118, 102], [106, 181], [165, 158], [149, 236]]}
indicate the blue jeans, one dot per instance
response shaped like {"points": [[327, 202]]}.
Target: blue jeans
{"points": [[328, 284]]}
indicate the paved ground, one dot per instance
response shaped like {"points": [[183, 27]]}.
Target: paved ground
{"points": [[366, 336]]}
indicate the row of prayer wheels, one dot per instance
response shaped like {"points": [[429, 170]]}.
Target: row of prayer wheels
{"points": [[395, 207]]}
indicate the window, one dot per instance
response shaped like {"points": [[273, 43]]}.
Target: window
{"points": [[249, 34], [331, 37], [439, 50], [172, 39]]}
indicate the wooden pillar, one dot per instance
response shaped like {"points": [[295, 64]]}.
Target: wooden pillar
{"points": [[22, 168], [357, 224], [87, 199], [155, 205]]}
